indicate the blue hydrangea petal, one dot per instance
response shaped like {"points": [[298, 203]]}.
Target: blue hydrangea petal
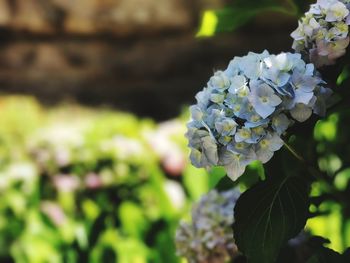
{"points": [[243, 112], [304, 82], [203, 98], [238, 82], [286, 90], [219, 81], [322, 95], [243, 135], [263, 99], [303, 97], [280, 123], [256, 121], [274, 100], [217, 97], [239, 148], [226, 126], [196, 113], [267, 146]]}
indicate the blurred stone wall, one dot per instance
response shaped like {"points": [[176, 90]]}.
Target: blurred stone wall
{"points": [[138, 55], [117, 17]]}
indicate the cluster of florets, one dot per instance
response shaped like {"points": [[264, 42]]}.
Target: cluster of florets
{"points": [[242, 113], [209, 238], [323, 33]]}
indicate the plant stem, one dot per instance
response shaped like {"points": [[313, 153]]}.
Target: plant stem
{"points": [[294, 153], [293, 6], [279, 9]]}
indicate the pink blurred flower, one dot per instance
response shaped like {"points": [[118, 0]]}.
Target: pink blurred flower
{"points": [[174, 163], [170, 153], [66, 183], [54, 212], [93, 181], [326, 52]]}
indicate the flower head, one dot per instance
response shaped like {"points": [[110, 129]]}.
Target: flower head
{"points": [[241, 114], [209, 238], [323, 33]]}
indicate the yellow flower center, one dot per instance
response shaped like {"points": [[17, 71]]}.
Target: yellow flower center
{"points": [[255, 118], [243, 93], [264, 143], [239, 146], [245, 134], [264, 99], [258, 130]]}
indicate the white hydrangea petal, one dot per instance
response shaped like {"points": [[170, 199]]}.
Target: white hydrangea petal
{"points": [[235, 170], [301, 112], [322, 31], [233, 166], [276, 142], [264, 155]]}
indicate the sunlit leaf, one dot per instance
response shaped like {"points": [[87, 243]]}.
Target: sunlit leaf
{"points": [[327, 129], [344, 75], [227, 19], [240, 12]]}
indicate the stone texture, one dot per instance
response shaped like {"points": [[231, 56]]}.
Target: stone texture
{"points": [[29, 16], [5, 13], [117, 17], [152, 77], [137, 55]]}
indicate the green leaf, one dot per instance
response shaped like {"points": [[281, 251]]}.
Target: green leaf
{"points": [[216, 175], [223, 20], [268, 215], [225, 184], [240, 12], [344, 75]]}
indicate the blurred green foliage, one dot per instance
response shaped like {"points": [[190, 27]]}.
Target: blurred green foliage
{"points": [[333, 207], [78, 185]]}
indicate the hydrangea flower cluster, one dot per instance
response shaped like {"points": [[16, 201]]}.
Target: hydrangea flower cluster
{"points": [[209, 238], [241, 114], [323, 33]]}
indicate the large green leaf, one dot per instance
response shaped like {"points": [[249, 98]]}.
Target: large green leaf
{"points": [[268, 215]]}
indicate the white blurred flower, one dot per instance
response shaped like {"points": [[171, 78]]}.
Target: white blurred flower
{"points": [[175, 193], [123, 147]]}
